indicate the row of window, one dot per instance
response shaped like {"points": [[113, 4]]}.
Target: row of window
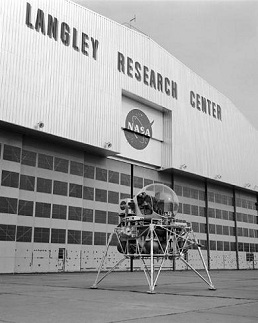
{"points": [[216, 213], [46, 235], [30, 158], [229, 246], [224, 230], [56, 211], [214, 197]]}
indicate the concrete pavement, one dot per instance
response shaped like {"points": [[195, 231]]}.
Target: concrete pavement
{"points": [[121, 297]]}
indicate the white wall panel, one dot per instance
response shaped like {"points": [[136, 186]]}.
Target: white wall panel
{"points": [[80, 98]]}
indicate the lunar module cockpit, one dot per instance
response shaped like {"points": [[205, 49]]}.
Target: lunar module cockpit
{"points": [[150, 232]]}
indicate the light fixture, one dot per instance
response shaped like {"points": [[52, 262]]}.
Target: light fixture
{"points": [[40, 125], [107, 145], [183, 166], [218, 176], [247, 185]]}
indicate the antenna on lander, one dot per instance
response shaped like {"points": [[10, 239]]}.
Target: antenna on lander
{"points": [[129, 25]]}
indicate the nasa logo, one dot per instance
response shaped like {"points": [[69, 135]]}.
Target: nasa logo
{"points": [[138, 129]]}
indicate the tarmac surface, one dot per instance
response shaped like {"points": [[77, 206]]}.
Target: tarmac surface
{"points": [[181, 296]]}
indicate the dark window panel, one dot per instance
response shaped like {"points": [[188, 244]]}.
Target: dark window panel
{"points": [[138, 182], [218, 213], [194, 194], [202, 211], [87, 237], [240, 246], [226, 245], [252, 247], [113, 197], [8, 205], [180, 209], [7, 232], [203, 228], [58, 235], [201, 195], [114, 240], [59, 211], [124, 196], [211, 197], [212, 245], [76, 168], [27, 182], [245, 218], [251, 233], [100, 238], [89, 171], [12, 153], [194, 210], [88, 193], [244, 203], [246, 247], [230, 200], [113, 177], [245, 232], [220, 245], [224, 199], [186, 191], [125, 179], [225, 215], [147, 181], [239, 232], [113, 218], [204, 244], [195, 226], [100, 216], [75, 190], [25, 208], [87, 215], [61, 165], [225, 230], [74, 237], [211, 213], [217, 198], [10, 179], [100, 195], [75, 213], [232, 231], [101, 174], [251, 218], [45, 161], [23, 234], [219, 229], [186, 208], [43, 210], [231, 216], [212, 228], [60, 188], [41, 235], [232, 246], [44, 185], [28, 158]]}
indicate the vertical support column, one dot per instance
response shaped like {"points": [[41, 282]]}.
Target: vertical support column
{"points": [[131, 195], [173, 186], [207, 222], [235, 225]]}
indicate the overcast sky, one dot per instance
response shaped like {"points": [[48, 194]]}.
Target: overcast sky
{"points": [[218, 40]]}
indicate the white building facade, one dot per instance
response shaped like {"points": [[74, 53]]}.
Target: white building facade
{"points": [[90, 112]]}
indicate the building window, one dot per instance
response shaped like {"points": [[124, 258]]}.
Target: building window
{"points": [[101, 174], [218, 213], [43, 210], [100, 216], [212, 228], [10, 179], [220, 245], [75, 213], [23, 234], [194, 194], [58, 235], [88, 193], [219, 229], [41, 235], [76, 168], [195, 227], [61, 165], [100, 239], [147, 181], [113, 177], [45, 161], [60, 188], [113, 197], [59, 211], [186, 208], [212, 245], [27, 183], [28, 158], [74, 237], [89, 171], [25, 208], [194, 210], [225, 230], [7, 232], [12, 153], [87, 215], [100, 195], [125, 180], [137, 182], [113, 218], [86, 237], [226, 245], [75, 190], [186, 191], [8, 205], [44, 185], [203, 228]]}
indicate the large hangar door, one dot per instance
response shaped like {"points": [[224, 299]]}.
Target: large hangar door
{"points": [[144, 131]]}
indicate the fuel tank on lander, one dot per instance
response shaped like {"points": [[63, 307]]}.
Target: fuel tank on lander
{"points": [[150, 232]]}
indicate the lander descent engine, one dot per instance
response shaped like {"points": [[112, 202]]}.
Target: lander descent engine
{"points": [[149, 231]]}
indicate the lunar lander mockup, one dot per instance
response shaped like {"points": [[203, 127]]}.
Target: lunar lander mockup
{"points": [[149, 231]]}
